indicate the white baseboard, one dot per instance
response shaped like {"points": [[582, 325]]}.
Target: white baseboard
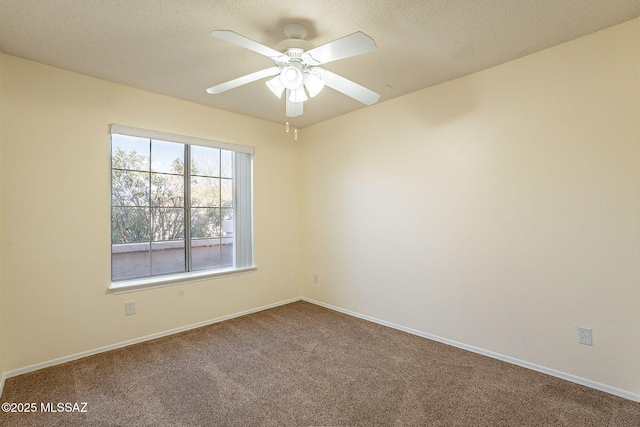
{"points": [[80, 355], [558, 374]]}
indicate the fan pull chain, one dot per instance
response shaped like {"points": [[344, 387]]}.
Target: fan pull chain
{"points": [[295, 131]]}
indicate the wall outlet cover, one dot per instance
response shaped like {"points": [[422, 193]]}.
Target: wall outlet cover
{"points": [[129, 308], [585, 336]]}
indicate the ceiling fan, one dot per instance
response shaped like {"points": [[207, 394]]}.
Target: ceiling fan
{"points": [[297, 68]]}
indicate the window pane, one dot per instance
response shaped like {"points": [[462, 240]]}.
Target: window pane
{"points": [[167, 224], [226, 225], [205, 161], [211, 253], [205, 192], [167, 257], [205, 222], [129, 225], [130, 260], [167, 190], [129, 152], [226, 193], [226, 252], [226, 164], [167, 157], [129, 188], [205, 253]]}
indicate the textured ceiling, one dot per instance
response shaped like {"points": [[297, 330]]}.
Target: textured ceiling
{"points": [[164, 46]]}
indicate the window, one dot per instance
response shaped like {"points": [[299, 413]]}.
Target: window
{"points": [[178, 205]]}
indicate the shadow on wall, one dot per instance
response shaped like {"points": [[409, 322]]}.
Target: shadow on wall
{"points": [[442, 104]]}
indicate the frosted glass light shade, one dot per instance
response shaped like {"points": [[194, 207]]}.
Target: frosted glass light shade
{"points": [[314, 84], [276, 86], [291, 76]]}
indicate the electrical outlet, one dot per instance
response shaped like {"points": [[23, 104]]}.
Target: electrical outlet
{"points": [[584, 336], [292, 277], [129, 308], [315, 279]]}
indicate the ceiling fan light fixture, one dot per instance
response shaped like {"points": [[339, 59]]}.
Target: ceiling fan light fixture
{"points": [[298, 95], [291, 76], [314, 84], [275, 86], [297, 67]]}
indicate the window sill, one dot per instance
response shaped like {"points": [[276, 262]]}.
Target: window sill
{"points": [[134, 285]]}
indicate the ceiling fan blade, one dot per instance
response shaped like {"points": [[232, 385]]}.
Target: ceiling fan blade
{"points": [[247, 43], [294, 109], [231, 84], [349, 88], [351, 45]]}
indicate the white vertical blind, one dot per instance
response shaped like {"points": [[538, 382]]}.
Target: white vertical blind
{"points": [[243, 197]]}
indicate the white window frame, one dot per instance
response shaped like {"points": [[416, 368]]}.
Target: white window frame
{"points": [[243, 213]]}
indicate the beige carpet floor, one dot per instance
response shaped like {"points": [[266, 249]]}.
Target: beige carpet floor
{"points": [[304, 365]]}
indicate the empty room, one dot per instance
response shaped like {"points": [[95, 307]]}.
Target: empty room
{"points": [[304, 213]]}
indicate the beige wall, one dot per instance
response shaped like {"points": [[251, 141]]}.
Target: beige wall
{"points": [[56, 191], [500, 210]]}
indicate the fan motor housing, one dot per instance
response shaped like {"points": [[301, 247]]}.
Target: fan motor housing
{"points": [[286, 45]]}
